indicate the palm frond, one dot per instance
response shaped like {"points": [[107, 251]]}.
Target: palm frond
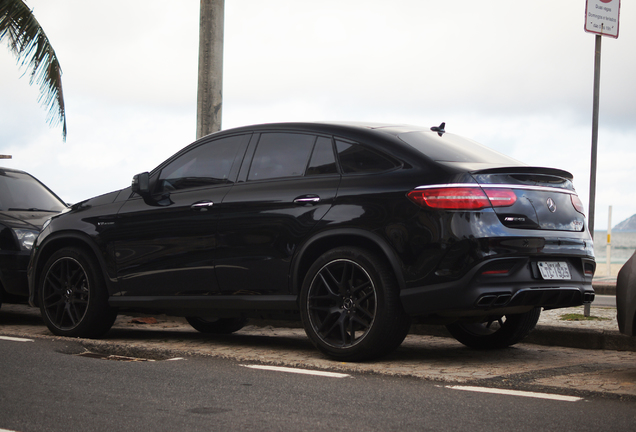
{"points": [[28, 42]]}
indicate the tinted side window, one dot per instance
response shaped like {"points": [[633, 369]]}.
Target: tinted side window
{"points": [[205, 165], [323, 160], [356, 159], [281, 155]]}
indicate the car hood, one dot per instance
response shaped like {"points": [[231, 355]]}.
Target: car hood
{"points": [[25, 219]]}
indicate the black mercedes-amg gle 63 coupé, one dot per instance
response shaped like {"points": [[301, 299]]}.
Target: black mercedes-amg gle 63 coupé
{"points": [[357, 230]]}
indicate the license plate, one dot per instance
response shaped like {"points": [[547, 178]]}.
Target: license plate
{"points": [[554, 270]]}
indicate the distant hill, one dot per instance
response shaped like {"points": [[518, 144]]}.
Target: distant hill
{"points": [[628, 225]]}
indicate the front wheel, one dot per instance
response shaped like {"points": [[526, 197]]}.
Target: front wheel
{"points": [[350, 305], [497, 331], [73, 296]]}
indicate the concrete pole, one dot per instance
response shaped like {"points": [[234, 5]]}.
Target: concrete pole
{"points": [[210, 88], [609, 242]]}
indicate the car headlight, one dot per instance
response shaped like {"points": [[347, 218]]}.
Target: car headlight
{"points": [[26, 238]]}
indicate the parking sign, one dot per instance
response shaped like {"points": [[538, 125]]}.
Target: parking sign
{"points": [[601, 17]]}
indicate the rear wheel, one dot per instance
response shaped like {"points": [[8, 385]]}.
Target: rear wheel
{"points": [[216, 325], [496, 332], [350, 306], [73, 296]]}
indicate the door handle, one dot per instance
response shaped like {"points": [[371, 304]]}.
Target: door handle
{"points": [[307, 199], [202, 205]]}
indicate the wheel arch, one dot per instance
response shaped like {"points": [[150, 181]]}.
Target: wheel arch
{"points": [[327, 240], [55, 243]]}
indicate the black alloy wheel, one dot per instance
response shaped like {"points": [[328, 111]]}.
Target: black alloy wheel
{"points": [[73, 296], [350, 306], [496, 331], [216, 325]]}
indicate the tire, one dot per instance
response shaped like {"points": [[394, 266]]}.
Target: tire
{"points": [[350, 306], [496, 332], [73, 296], [216, 325]]}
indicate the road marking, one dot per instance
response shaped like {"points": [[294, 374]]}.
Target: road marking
{"points": [[517, 393], [15, 339], [298, 371]]}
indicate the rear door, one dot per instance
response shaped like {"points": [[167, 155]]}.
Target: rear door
{"points": [[284, 190]]}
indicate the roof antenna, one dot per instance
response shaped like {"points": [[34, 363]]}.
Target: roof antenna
{"points": [[439, 129]]}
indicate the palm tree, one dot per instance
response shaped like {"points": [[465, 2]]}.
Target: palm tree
{"points": [[30, 45]]}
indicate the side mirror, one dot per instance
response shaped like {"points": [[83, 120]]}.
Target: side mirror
{"points": [[141, 184]]}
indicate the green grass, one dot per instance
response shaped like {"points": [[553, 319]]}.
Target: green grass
{"points": [[581, 317]]}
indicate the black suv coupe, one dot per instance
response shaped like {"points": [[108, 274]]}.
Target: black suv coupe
{"points": [[25, 204], [355, 229]]}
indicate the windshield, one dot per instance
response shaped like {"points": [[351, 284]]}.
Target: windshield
{"points": [[453, 148], [20, 191]]}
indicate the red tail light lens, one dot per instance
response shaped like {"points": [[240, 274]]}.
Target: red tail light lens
{"points": [[462, 198], [578, 205], [501, 197]]}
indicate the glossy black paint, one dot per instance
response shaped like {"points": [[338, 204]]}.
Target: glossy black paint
{"points": [[626, 297], [242, 247], [25, 204]]}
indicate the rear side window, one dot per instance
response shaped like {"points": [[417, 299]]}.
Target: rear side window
{"points": [[357, 159], [281, 155], [206, 165], [323, 160]]}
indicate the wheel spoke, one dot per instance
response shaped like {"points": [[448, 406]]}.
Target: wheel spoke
{"points": [[328, 279]]}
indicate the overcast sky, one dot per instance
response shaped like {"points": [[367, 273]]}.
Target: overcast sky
{"points": [[515, 76]]}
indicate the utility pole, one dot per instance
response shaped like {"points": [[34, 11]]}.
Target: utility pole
{"points": [[210, 87]]}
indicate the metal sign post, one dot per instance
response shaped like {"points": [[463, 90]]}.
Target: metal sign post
{"points": [[601, 18]]}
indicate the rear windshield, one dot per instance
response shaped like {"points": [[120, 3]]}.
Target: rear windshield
{"points": [[20, 191], [453, 148]]}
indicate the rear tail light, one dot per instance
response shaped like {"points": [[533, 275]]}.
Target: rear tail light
{"points": [[462, 198], [578, 205]]}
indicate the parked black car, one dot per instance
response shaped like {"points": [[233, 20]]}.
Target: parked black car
{"points": [[626, 297], [355, 229], [25, 204]]}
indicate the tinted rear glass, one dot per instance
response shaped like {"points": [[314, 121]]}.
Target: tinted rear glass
{"points": [[356, 159], [19, 191], [453, 148]]}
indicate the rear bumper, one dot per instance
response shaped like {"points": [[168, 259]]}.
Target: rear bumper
{"points": [[517, 291]]}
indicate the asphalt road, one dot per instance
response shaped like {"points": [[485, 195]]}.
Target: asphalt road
{"points": [[46, 384]]}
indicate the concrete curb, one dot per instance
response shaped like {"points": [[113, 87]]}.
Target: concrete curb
{"points": [[605, 288], [589, 339]]}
